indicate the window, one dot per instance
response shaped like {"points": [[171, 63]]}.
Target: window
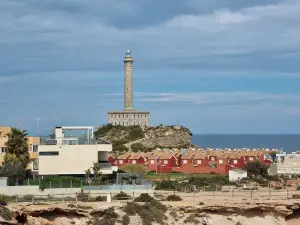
{"points": [[251, 158], [121, 161], [235, 161], [199, 161], [151, 161], [3, 149], [35, 164], [213, 158], [221, 161], [133, 161], [35, 148], [294, 163], [48, 153], [184, 161]]}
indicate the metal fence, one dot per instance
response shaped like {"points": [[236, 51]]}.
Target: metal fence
{"points": [[159, 195]]}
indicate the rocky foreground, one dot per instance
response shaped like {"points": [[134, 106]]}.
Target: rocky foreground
{"points": [[102, 213]]}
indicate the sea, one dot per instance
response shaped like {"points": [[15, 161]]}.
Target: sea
{"points": [[287, 142]]}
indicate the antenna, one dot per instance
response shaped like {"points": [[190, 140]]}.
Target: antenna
{"points": [[38, 126]]}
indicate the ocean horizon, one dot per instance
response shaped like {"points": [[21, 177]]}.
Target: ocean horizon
{"points": [[286, 142]]}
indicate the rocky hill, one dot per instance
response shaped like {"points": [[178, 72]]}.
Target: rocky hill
{"points": [[149, 138]]}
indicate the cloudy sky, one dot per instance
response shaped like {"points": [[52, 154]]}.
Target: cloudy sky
{"points": [[215, 66]]}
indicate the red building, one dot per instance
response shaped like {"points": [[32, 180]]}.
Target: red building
{"points": [[198, 162], [123, 159], [112, 160], [166, 162], [153, 161], [136, 158], [236, 160]]}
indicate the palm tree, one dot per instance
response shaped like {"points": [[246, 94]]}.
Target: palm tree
{"points": [[17, 148]]}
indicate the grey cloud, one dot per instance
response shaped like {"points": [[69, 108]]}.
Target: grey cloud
{"points": [[48, 35]]}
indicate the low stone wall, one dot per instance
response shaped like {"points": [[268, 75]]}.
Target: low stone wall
{"points": [[34, 190]]}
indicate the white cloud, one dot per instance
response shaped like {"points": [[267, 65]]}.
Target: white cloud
{"points": [[219, 98]]}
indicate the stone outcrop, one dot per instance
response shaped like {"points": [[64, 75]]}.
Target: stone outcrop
{"points": [[166, 137], [245, 213], [150, 137]]}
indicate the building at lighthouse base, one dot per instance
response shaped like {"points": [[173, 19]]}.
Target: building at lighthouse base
{"points": [[129, 118]]}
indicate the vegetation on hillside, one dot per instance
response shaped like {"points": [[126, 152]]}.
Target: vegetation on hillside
{"points": [[120, 135], [136, 147], [128, 133], [145, 139]]}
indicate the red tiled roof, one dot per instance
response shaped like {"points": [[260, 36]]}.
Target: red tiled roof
{"points": [[188, 155], [200, 155], [124, 156], [166, 155], [135, 156], [155, 155]]}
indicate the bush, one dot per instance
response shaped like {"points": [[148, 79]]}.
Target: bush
{"points": [[152, 211], [3, 200], [144, 197], [173, 198], [83, 197], [166, 185], [122, 196], [16, 174], [298, 188], [109, 217], [125, 220], [101, 198], [135, 147], [6, 214], [201, 203]]}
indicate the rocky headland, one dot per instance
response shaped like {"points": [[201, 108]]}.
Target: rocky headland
{"points": [[122, 213], [149, 138]]}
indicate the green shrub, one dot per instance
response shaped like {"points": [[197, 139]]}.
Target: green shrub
{"points": [[122, 196], [144, 197], [201, 203], [109, 217], [150, 212], [166, 185], [83, 197], [135, 147], [3, 200], [298, 188], [101, 198], [173, 198], [125, 220], [6, 214]]}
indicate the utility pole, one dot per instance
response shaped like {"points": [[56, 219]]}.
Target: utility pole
{"points": [[38, 126], [20, 123]]}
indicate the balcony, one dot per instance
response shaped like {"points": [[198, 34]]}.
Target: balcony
{"points": [[71, 141]]}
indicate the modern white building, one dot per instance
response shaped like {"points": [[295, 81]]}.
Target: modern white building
{"points": [[237, 174], [72, 151], [286, 164]]}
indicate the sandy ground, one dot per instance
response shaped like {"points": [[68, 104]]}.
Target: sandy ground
{"points": [[191, 200]]}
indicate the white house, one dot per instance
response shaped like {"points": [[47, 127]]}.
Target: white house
{"points": [[237, 174], [72, 152]]}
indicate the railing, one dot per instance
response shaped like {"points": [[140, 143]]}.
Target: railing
{"points": [[98, 195], [70, 141]]}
